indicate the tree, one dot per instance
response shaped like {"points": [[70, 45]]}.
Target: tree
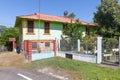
{"points": [[8, 32], [71, 15], [73, 31], [108, 18], [2, 29]]}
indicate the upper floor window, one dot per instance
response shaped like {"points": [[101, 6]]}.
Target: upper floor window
{"points": [[63, 29], [46, 27], [87, 30], [30, 26]]}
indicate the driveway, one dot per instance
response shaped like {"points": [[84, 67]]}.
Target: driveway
{"points": [[23, 74]]}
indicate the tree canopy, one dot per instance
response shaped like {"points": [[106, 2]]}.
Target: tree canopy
{"points": [[71, 15], [8, 32], [2, 28], [108, 18], [73, 31]]}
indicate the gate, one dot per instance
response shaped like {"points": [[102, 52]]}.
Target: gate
{"points": [[110, 50]]}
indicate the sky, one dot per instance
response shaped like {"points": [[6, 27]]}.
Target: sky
{"points": [[83, 9]]}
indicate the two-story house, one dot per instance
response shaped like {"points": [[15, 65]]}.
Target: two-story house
{"points": [[42, 29]]}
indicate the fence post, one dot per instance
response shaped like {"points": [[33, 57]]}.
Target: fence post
{"points": [[59, 45], [78, 45], [119, 50], [99, 50]]}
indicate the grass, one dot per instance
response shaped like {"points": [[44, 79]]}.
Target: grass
{"points": [[77, 69], [10, 59]]}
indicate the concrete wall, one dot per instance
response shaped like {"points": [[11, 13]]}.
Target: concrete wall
{"points": [[81, 57], [38, 56], [84, 57]]}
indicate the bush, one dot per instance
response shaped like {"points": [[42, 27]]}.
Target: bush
{"points": [[89, 43]]}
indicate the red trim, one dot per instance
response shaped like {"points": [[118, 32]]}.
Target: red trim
{"points": [[54, 48], [28, 48], [29, 44]]}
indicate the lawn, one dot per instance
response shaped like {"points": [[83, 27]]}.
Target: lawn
{"points": [[78, 70]]}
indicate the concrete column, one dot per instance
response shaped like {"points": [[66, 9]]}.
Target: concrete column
{"points": [[78, 45], [99, 50], [58, 45], [57, 48]]}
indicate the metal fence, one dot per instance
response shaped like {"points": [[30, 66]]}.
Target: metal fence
{"points": [[86, 46], [68, 45], [110, 50], [89, 46], [38, 47], [3, 48]]}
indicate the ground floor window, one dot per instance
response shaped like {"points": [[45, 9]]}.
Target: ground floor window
{"points": [[47, 44], [34, 45]]}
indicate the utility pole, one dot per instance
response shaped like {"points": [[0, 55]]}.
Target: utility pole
{"points": [[39, 27]]}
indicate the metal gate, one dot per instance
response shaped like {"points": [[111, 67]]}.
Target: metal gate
{"points": [[110, 50]]}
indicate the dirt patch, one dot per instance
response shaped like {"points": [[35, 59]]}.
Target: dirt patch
{"points": [[11, 59], [62, 75], [108, 66]]}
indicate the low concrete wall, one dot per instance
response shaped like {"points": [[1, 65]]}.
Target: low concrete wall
{"points": [[81, 57], [38, 56], [84, 57]]}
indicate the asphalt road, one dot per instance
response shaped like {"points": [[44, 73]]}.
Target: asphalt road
{"points": [[23, 74]]}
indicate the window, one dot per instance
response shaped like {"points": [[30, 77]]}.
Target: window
{"points": [[34, 45], [87, 30], [63, 29], [47, 28], [47, 44], [30, 25]]}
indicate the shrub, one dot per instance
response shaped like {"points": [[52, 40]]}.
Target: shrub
{"points": [[89, 43]]}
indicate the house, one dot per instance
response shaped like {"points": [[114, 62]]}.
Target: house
{"points": [[42, 29]]}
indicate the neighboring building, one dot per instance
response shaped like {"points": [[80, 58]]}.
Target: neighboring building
{"points": [[45, 28]]}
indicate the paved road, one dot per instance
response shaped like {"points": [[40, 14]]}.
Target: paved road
{"points": [[21, 74]]}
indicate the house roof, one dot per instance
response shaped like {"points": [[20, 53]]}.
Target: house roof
{"points": [[53, 18]]}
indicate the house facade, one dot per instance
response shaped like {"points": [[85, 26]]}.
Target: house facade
{"points": [[42, 29]]}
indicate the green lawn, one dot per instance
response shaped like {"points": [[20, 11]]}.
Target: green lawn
{"points": [[78, 70]]}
